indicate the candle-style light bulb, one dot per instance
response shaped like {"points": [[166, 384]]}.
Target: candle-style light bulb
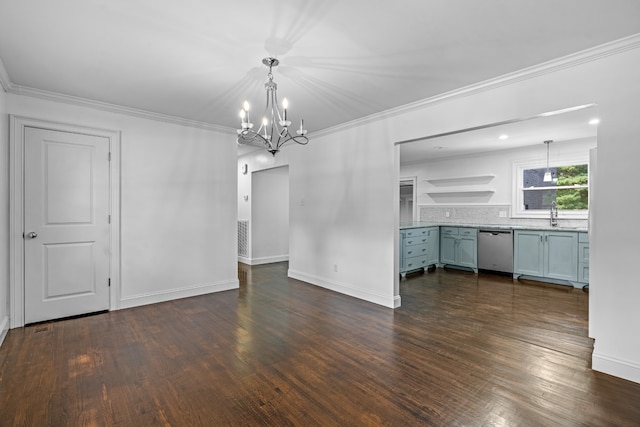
{"points": [[285, 105], [245, 107], [243, 115]]}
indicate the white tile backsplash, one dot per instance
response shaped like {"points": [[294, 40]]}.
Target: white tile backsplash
{"points": [[486, 215]]}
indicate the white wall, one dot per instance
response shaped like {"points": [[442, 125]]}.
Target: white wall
{"points": [[347, 178], [270, 216], [342, 213], [4, 215], [178, 202]]}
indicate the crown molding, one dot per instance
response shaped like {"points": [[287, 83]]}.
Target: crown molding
{"points": [[568, 61], [104, 106], [572, 60]]}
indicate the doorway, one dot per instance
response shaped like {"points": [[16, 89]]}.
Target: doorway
{"points": [[407, 200], [64, 220], [270, 215]]}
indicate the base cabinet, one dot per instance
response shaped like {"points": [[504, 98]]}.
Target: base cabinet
{"points": [[583, 258], [546, 254], [459, 247], [418, 248]]}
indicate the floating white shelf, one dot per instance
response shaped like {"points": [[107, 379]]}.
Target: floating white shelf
{"points": [[461, 193], [469, 180]]}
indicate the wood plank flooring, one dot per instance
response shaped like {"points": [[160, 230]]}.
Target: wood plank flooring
{"points": [[463, 350]]}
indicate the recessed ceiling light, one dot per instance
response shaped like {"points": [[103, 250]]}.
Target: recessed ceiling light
{"points": [[503, 136], [594, 121], [438, 147]]}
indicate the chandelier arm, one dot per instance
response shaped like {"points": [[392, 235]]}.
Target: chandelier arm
{"points": [[298, 139]]}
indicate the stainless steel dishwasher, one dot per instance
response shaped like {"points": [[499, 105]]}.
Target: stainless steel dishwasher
{"points": [[495, 250]]}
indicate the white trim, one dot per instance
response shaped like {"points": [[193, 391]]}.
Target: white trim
{"points": [[568, 61], [616, 367], [17, 124], [518, 167], [172, 294], [114, 174], [263, 260], [347, 289], [113, 108], [4, 328]]}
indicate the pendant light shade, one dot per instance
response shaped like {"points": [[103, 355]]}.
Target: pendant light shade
{"points": [[547, 174]]}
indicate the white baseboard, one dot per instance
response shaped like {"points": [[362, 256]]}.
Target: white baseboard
{"points": [[344, 288], [263, 260], [397, 302], [191, 291], [4, 328], [616, 367]]}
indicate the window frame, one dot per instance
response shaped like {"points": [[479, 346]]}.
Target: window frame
{"points": [[517, 200]]}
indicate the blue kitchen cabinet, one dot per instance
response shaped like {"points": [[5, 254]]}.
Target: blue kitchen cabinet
{"points": [[583, 258], [546, 254], [418, 248], [459, 247]]}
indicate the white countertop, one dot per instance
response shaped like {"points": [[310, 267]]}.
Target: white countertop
{"points": [[418, 224]]}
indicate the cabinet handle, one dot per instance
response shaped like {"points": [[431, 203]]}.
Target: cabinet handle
{"points": [[546, 238]]}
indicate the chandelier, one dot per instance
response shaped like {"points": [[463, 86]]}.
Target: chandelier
{"points": [[273, 132]]}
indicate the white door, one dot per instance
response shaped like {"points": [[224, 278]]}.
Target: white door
{"points": [[66, 221]]}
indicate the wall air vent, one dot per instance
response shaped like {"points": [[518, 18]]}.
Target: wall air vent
{"points": [[243, 230]]}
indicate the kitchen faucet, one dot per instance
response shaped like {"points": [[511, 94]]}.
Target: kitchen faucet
{"points": [[553, 214]]}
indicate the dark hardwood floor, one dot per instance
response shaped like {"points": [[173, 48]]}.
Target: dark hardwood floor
{"points": [[463, 350]]}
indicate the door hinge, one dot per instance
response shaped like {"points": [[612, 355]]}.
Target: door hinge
{"points": [[109, 156], [109, 218], [109, 281]]}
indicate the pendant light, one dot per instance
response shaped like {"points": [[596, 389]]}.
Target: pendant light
{"points": [[547, 174]]}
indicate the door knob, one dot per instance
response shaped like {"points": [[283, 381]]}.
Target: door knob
{"points": [[32, 235]]}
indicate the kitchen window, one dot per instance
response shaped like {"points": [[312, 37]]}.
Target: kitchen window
{"points": [[569, 188]]}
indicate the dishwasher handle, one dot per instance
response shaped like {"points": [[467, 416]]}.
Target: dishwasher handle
{"points": [[495, 232]]}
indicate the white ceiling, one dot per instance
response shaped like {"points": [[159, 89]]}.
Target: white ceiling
{"points": [[340, 60], [561, 127]]}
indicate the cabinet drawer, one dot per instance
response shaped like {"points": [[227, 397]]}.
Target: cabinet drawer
{"points": [[416, 250], [416, 262], [449, 231], [468, 232], [583, 253], [415, 232], [583, 273], [418, 240]]}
